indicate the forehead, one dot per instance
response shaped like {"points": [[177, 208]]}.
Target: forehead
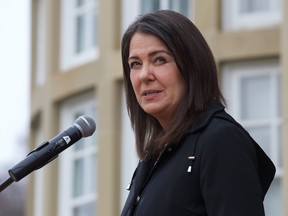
{"points": [[141, 42]]}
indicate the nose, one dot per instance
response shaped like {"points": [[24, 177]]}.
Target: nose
{"points": [[147, 73]]}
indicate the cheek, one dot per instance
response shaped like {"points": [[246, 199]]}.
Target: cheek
{"points": [[183, 88], [180, 85], [182, 91], [134, 82]]}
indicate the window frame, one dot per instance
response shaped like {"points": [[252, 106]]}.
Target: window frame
{"points": [[131, 9], [232, 75], [129, 158], [232, 19], [81, 104], [69, 58]]}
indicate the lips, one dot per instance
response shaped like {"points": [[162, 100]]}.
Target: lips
{"points": [[150, 92]]}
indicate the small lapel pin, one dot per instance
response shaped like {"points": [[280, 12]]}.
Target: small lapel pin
{"points": [[191, 158]]}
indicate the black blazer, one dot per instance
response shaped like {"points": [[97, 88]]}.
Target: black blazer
{"points": [[217, 170]]}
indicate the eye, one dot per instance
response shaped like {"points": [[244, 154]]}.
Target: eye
{"points": [[160, 60], [134, 65]]}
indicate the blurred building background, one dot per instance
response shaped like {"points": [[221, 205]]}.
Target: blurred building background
{"points": [[76, 69]]}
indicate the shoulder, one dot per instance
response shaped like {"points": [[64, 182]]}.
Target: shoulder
{"points": [[223, 138], [224, 128]]}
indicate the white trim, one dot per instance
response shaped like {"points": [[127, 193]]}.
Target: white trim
{"points": [[129, 158], [131, 9], [68, 57], [232, 75], [164, 4], [232, 19], [84, 104]]}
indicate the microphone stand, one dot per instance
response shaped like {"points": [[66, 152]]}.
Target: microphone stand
{"points": [[6, 183], [17, 174]]}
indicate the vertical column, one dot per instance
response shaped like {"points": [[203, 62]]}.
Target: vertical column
{"points": [[208, 20], [49, 119], [284, 79], [109, 109], [207, 16], [50, 175]]}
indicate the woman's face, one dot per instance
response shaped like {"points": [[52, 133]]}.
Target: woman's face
{"points": [[156, 80]]}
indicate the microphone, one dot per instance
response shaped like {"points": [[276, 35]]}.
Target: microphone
{"points": [[83, 126]]}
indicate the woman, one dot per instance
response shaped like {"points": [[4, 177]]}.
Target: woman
{"points": [[195, 159]]}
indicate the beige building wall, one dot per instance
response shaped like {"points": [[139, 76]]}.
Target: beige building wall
{"points": [[103, 77], [284, 69]]}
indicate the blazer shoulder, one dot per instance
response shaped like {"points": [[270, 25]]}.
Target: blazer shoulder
{"points": [[225, 122]]}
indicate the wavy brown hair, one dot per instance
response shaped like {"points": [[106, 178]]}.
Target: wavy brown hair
{"points": [[196, 64]]}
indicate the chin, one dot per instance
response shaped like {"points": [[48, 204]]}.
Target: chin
{"points": [[153, 113]]}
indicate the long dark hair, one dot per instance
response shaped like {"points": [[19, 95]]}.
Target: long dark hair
{"points": [[195, 62]]}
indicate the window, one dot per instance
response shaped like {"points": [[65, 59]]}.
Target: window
{"points": [[78, 164], [253, 95], [181, 6], [79, 32], [132, 8], [247, 14], [129, 158]]}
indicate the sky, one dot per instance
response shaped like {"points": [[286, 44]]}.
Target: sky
{"points": [[14, 80]]}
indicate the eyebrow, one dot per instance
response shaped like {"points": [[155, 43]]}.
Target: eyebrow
{"points": [[151, 54]]}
